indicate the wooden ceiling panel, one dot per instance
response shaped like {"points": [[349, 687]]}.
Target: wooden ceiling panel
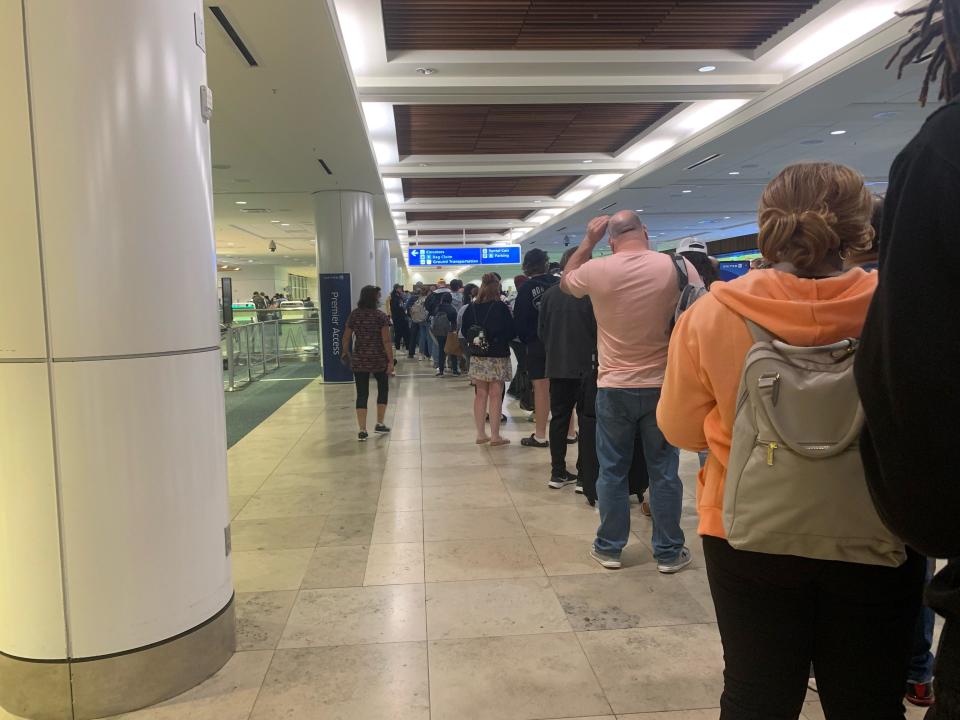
{"points": [[476, 187], [468, 215], [521, 129], [585, 25]]}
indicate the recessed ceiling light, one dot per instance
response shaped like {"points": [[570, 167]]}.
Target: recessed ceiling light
{"points": [[424, 164], [537, 202], [426, 70], [585, 162], [733, 172], [249, 261], [239, 202], [639, 209], [685, 192], [275, 221], [707, 68], [727, 217], [838, 132], [284, 224]]}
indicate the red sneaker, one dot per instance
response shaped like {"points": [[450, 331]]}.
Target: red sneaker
{"points": [[920, 694]]}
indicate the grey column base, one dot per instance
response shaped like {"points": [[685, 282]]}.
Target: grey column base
{"points": [[117, 683]]}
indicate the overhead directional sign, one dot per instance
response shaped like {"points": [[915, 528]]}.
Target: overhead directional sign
{"points": [[459, 255]]}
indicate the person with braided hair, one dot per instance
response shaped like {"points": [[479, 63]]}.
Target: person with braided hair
{"points": [[910, 351]]}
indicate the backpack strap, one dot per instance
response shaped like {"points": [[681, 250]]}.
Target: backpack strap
{"points": [[680, 265], [758, 333]]}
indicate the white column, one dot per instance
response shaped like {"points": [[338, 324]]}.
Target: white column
{"points": [[384, 276], [395, 272], [344, 224], [112, 442]]}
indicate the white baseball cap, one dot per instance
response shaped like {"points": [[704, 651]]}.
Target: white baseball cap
{"points": [[692, 245]]}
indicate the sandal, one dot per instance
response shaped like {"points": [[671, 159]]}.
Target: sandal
{"points": [[533, 442], [499, 442], [483, 441]]}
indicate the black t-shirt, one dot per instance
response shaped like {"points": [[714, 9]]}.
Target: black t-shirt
{"points": [[497, 324]]}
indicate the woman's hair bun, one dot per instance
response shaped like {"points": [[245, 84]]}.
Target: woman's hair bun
{"points": [[811, 210]]}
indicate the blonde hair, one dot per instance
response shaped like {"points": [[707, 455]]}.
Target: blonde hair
{"points": [[489, 289], [811, 210]]}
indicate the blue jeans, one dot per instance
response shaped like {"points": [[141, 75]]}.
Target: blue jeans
{"points": [[426, 347], [626, 416], [921, 658]]}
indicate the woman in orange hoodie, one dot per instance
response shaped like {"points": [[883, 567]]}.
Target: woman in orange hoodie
{"points": [[779, 613]]}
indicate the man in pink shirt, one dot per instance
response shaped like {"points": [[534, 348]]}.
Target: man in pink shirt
{"points": [[634, 293]]}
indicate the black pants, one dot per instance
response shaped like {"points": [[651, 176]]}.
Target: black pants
{"points": [[362, 379], [779, 613], [401, 331], [413, 337], [565, 395], [441, 353]]}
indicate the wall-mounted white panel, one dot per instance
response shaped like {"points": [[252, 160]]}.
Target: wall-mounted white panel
{"points": [[21, 328], [123, 162], [31, 602], [144, 483]]}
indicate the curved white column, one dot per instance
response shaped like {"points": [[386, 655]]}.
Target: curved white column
{"points": [[344, 224], [112, 441], [395, 272], [382, 259]]}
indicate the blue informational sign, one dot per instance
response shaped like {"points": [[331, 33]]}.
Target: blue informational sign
{"points": [[334, 311], [458, 255], [733, 270]]}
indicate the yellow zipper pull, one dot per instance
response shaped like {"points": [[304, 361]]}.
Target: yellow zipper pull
{"points": [[770, 449]]}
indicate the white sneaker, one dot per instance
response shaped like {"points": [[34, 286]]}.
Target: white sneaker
{"points": [[683, 559]]}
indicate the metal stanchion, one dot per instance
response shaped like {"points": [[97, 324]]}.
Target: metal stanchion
{"points": [[231, 367], [249, 363], [276, 344], [263, 351]]}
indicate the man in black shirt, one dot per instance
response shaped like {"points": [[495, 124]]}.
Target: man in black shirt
{"points": [[910, 353], [568, 331], [526, 312]]}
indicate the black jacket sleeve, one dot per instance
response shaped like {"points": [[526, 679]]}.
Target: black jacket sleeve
{"points": [[524, 315], [908, 366]]}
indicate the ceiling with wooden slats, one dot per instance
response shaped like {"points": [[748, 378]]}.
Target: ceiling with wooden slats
{"points": [[477, 187], [469, 215], [522, 129], [585, 24]]}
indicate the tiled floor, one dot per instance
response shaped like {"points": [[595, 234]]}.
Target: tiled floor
{"points": [[422, 577]]}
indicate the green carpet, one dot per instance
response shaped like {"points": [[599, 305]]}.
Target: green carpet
{"points": [[250, 406]]}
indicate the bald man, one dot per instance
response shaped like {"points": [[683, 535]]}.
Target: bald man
{"points": [[634, 293]]}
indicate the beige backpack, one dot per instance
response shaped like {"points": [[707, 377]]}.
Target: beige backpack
{"points": [[795, 483]]}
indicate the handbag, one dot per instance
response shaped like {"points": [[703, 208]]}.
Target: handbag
{"points": [[452, 345]]}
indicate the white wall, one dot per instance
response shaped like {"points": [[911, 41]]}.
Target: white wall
{"points": [[248, 279]]}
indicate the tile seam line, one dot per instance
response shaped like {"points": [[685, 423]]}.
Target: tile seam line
{"points": [[48, 344]]}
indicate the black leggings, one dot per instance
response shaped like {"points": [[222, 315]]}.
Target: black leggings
{"points": [[362, 379], [779, 613]]}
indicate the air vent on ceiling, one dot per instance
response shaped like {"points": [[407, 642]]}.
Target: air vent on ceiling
{"points": [[607, 207], [221, 166], [256, 211], [325, 166], [233, 35], [709, 158]]}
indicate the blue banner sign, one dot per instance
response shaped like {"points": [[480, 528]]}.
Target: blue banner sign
{"points": [[334, 311], [458, 255]]}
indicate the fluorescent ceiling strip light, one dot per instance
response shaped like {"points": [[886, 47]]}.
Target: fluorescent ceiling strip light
{"points": [[647, 151], [705, 113], [838, 34]]}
